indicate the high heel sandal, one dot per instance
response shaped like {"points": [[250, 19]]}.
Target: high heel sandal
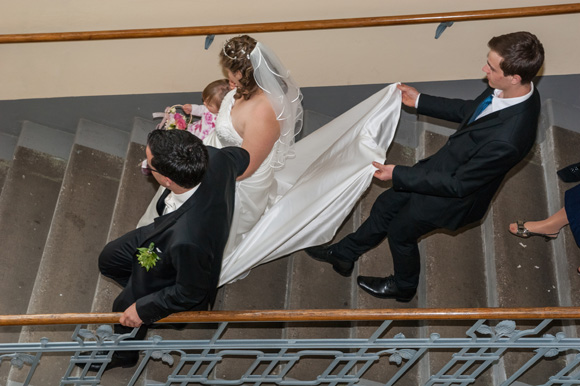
{"points": [[526, 233]]}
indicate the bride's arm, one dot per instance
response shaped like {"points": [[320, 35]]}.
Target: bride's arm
{"points": [[262, 130]]}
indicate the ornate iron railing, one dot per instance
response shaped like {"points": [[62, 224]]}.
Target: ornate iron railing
{"points": [[383, 356]]}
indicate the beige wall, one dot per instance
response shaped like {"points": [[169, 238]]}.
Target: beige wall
{"points": [[316, 58]]}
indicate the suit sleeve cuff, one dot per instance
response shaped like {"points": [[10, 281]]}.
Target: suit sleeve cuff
{"points": [[399, 173]]}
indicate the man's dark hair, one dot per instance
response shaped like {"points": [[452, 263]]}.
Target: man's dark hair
{"points": [[522, 54], [178, 155]]}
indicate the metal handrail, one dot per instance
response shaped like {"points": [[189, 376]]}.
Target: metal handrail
{"points": [[307, 315], [556, 9]]}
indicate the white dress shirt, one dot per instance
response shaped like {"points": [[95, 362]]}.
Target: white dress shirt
{"points": [[174, 201]]}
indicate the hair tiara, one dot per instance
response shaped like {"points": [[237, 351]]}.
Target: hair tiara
{"points": [[228, 46]]}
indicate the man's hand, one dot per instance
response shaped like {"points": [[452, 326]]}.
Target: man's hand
{"points": [[130, 317], [385, 172], [409, 95]]}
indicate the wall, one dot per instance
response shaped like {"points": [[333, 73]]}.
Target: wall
{"points": [[118, 111], [316, 58]]}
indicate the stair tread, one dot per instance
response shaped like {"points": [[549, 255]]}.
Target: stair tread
{"points": [[46, 139], [103, 138], [7, 146], [4, 167], [68, 272], [26, 208]]}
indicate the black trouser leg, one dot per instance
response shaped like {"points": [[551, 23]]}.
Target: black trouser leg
{"points": [[404, 232], [116, 259], [375, 228], [392, 216]]}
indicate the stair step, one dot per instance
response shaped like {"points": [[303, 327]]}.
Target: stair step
{"points": [[68, 272], [134, 195], [378, 262], [263, 289], [524, 267], [4, 167], [454, 272], [141, 128], [27, 204], [26, 208], [315, 285], [103, 138], [7, 146], [45, 139]]}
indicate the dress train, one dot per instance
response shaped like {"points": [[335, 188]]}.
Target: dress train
{"points": [[318, 188]]}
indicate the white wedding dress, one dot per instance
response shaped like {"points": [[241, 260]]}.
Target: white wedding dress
{"points": [[278, 212], [253, 194]]}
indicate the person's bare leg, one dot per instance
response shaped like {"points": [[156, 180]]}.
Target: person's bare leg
{"points": [[551, 225]]}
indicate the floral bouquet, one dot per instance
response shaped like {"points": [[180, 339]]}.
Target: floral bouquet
{"points": [[172, 119]]}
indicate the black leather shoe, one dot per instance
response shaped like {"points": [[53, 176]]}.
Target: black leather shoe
{"points": [[385, 288], [341, 266], [124, 360], [570, 173]]}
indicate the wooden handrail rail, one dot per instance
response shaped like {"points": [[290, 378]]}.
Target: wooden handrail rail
{"points": [[307, 315], [556, 9]]}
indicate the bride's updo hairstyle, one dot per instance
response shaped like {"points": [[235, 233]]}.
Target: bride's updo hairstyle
{"points": [[235, 56]]}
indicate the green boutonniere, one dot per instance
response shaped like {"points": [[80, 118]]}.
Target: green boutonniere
{"points": [[147, 257]]}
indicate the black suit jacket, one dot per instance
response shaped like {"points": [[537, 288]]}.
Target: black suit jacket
{"points": [[190, 243], [455, 186]]}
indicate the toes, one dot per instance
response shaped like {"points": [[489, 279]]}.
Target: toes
{"points": [[513, 228]]}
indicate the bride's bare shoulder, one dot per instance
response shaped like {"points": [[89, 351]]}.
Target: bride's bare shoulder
{"points": [[262, 109]]}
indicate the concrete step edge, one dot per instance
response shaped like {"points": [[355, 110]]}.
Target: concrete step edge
{"points": [[141, 128], [45, 139], [7, 146], [101, 137]]}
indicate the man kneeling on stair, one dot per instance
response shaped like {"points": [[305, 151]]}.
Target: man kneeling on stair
{"points": [[453, 187], [174, 264]]}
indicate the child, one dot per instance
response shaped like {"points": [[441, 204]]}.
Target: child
{"points": [[212, 97]]}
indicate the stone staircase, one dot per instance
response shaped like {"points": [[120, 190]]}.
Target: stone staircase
{"points": [[63, 196]]}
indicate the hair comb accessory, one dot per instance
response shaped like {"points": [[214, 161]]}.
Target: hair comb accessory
{"points": [[228, 47]]}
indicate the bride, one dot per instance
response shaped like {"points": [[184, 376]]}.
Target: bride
{"points": [[262, 115], [292, 196]]}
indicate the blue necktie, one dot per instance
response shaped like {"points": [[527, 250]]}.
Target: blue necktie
{"points": [[482, 106]]}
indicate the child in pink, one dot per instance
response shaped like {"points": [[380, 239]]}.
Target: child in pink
{"points": [[212, 97]]}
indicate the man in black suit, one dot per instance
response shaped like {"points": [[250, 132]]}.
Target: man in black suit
{"points": [[455, 186], [188, 237]]}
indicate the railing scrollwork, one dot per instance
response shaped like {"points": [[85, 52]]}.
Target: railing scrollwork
{"points": [[346, 360]]}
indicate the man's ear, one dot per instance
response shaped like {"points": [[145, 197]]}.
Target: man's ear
{"points": [[516, 79], [167, 182]]}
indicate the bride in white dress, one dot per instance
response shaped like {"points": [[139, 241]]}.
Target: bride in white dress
{"points": [[262, 115], [298, 194], [292, 196]]}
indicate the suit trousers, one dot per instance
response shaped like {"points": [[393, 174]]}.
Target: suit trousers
{"points": [[116, 262], [392, 216]]}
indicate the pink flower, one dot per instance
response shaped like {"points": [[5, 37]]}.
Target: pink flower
{"points": [[180, 122]]}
